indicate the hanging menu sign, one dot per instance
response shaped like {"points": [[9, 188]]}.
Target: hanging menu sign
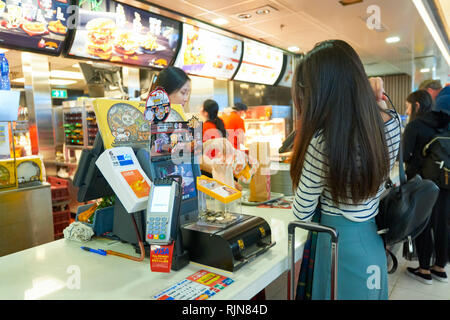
{"points": [[126, 35], [261, 63], [286, 80], [34, 25], [205, 53]]}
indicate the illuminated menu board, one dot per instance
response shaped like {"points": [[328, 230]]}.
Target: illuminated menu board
{"points": [[34, 25], [286, 80], [126, 35], [261, 63], [205, 53]]}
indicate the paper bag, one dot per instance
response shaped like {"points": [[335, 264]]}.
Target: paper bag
{"points": [[260, 183]]}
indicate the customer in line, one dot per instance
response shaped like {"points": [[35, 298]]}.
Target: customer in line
{"points": [[213, 126], [433, 87], [234, 124], [417, 134], [177, 84], [346, 146]]}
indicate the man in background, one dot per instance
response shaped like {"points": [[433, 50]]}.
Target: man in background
{"points": [[234, 124], [433, 87]]}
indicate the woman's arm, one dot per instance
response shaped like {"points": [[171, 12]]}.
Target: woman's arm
{"points": [[312, 181]]}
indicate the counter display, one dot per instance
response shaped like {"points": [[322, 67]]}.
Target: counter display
{"points": [[204, 53], [31, 25], [125, 35], [261, 63]]}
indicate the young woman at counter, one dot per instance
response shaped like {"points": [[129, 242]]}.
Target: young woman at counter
{"points": [[213, 126], [346, 146], [177, 84]]}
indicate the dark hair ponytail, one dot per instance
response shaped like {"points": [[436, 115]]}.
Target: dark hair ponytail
{"points": [[212, 109], [423, 98]]}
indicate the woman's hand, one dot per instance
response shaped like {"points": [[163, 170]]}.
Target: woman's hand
{"points": [[378, 89]]}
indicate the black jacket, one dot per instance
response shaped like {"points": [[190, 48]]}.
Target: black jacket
{"points": [[417, 134]]}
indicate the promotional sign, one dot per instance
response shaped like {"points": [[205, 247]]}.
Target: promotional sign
{"points": [[5, 151], [161, 258], [34, 25], [121, 122], [286, 80], [200, 286], [205, 53], [126, 35], [261, 63], [157, 108]]}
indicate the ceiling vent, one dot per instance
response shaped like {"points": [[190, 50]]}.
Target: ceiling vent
{"points": [[258, 12]]}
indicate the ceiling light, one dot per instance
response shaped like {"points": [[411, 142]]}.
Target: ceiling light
{"points": [[294, 49], [3, 50], [66, 74], [61, 82], [220, 21], [432, 29], [263, 11], [425, 70], [392, 39], [244, 16], [18, 80]]}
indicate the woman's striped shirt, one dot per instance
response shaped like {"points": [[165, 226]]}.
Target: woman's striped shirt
{"points": [[312, 186]]}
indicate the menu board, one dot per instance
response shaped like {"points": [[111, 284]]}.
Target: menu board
{"points": [[126, 35], [261, 63], [205, 53], [286, 80], [34, 25]]}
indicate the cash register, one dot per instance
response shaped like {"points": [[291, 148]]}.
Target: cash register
{"points": [[131, 173]]}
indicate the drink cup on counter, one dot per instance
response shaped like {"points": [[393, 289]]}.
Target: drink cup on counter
{"points": [[14, 15]]}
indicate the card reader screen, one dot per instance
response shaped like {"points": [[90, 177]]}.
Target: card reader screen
{"points": [[161, 199]]}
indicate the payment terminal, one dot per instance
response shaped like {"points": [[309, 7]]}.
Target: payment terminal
{"points": [[163, 210]]}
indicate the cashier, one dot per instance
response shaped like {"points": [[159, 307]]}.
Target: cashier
{"points": [[234, 124], [213, 126], [177, 84]]}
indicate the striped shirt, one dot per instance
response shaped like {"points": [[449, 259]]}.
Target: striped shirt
{"points": [[312, 186]]}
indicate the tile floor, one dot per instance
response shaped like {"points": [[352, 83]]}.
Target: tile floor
{"points": [[403, 287]]}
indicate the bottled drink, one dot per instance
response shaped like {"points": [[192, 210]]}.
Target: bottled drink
{"points": [[4, 73]]}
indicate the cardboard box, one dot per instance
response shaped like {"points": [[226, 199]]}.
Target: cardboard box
{"points": [[7, 174], [29, 171]]}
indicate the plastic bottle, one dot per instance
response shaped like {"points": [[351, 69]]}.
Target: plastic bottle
{"points": [[4, 70]]}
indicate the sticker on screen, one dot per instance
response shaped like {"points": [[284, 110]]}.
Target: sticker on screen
{"points": [[167, 137]]}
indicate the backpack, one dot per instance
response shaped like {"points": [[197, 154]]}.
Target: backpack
{"points": [[436, 163]]}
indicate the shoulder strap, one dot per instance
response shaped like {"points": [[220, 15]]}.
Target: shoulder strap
{"points": [[394, 262]]}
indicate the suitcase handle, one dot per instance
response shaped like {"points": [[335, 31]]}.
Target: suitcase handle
{"points": [[312, 226]]}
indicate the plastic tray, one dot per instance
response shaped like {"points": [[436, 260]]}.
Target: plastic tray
{"points": [[61, 216], [59, 188], [103, 219]]}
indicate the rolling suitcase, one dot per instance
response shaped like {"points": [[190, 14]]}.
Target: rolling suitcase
{"points": [[311, 226]]}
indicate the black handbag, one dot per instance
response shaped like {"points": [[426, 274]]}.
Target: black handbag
{"points": [[405, 210]]}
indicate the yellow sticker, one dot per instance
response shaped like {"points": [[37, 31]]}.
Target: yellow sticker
{"points": [[241, 244], [263, 231]]}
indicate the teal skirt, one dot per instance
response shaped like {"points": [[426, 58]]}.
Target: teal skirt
{"points": [[362, 267]]}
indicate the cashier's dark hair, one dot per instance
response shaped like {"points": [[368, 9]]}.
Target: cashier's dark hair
{"points": [[171, 79], [212, 109], [332, 94]]}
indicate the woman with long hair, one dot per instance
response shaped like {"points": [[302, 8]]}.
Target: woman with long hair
{"points": [[213, 126], [418, 103], [425, 122], [345, 147]]}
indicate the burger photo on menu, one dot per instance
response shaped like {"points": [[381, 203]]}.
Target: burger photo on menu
{"points": [[100, 37]]}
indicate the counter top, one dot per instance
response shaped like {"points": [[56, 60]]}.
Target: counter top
{"points": [[62, 270]]}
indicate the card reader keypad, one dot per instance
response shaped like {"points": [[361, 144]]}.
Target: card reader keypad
{"points": [[157, 228]]}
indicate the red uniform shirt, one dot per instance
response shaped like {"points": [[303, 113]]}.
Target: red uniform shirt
{"points": [[235, 127]]}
